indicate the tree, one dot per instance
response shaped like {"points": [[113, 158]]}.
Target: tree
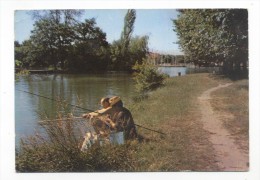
{"points": [[138, 49], [53, 35], [90, 47], [26, 55], [214, 35], [63, 41], [120, 49], [128, 30], [69, 17], [59, 40], [128, 50]]}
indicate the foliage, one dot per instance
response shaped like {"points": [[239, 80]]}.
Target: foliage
{"points": [[90, 48], [138, 49], [147, 77], [22, 54], [60, 41], [53, 36], [60, 153], [59, 149], [128, 29], [18, 64], [214, 35], [121, 58], [128, 50]]}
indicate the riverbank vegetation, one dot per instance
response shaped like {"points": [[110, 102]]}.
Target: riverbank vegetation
{"points": [[147, 78], [171, 109], [215, 36]]}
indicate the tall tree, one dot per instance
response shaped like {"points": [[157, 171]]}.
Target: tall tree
{"points": [[214, 35], [128, 29], [120, 48], [60, 40], [90, 47], [53, 34], [68, 17]]}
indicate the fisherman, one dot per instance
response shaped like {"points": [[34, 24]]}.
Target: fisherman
{"points": [[98, 118], [101, 127], [106, 106], [118, 118], [122, 120]]}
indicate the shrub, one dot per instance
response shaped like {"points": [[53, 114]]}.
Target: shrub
{"points": [[58, 148], [60, 152], [147, 77]]}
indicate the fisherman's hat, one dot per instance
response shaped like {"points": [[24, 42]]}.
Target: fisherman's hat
{"points": [[114, 100]]}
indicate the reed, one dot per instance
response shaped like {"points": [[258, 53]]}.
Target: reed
{"points": [[59, 149]]}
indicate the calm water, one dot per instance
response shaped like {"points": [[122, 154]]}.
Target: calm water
{"points": [[176, 71], [173, 71], [89, 89]]}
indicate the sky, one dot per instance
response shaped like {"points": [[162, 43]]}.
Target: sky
{"points": [[157, 24]]}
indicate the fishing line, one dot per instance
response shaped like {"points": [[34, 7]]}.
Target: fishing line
{"points": [[150, 129], [84, 109], [56, 100]]}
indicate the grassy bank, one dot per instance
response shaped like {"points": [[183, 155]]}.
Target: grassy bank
{"points": [[171, 109]]}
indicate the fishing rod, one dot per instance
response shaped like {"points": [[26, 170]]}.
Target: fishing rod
{"points": [[62, 119], [81, 118], [55, 100], [150, 129], [84, 109]]}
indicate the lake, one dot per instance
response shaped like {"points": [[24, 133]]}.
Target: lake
{"points": [[79, 89], [84, 90]]}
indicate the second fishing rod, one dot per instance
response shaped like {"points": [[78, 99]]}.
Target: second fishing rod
{"points": [[90, 110]]}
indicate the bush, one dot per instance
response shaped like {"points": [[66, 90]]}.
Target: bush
{"points": [[60, 152], [147, 77], [58, 149]]}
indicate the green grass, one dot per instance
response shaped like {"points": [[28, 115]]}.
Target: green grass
{"points": [[171, 109], [172, 100], [60, 153]]}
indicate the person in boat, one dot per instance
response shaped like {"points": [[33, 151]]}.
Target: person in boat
{"points": [[121, 119]]}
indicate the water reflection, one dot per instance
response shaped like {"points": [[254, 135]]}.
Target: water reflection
{"points": [[173, 71], [83, 90]]}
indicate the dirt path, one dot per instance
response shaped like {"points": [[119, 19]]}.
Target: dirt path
{"points": [[228, 155]]}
